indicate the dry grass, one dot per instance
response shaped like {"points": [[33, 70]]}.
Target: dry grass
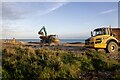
{"points": [[20, 62]]}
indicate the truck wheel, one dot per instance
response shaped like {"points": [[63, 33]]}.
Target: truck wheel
{"points": [[112, 47]]}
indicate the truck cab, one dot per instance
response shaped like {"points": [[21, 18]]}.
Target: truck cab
{"points": [[103, 38]]}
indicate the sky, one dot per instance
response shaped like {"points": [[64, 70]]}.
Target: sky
{"points": [[68, 20]]}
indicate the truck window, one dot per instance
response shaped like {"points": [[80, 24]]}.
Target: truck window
{"points": [[100, 31], [97, 32]]}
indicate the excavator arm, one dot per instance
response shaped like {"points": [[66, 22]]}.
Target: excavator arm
{"points": [[41, 33]]}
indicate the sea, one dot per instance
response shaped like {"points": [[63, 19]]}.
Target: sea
{"points": [[61, 40]]}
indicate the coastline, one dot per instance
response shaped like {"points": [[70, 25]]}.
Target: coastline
{"points": [[74, 46]]}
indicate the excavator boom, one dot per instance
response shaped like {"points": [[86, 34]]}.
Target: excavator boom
{"points": [[45, 32]]}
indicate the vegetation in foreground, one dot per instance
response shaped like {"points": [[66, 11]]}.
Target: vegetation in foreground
{"points": [[28, 63]]}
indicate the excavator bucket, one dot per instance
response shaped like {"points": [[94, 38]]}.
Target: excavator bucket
{"points": [[41, 33]]}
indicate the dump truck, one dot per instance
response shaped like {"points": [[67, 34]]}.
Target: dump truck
{"points": [[47, 39], [106, 38]]}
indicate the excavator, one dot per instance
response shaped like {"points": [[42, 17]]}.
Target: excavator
{"points": [[47, 39]]}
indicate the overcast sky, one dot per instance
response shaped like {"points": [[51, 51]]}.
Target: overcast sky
{"points": [[66, 19]]}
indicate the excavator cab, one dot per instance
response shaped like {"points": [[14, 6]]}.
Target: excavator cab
{"points": [[54, 38]]}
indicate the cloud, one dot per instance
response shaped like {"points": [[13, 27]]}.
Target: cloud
{"points": [[10, 12], [20, 10], [14, 31], [51, 7], [56, 6], [108, 11], [38, 0], [60, 0], [7, 31]]}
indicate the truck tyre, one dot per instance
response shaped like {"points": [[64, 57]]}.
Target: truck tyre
{"points": [[112, 47]]}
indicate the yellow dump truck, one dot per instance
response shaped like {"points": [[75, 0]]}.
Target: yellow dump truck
{"points": [[104, 38]]}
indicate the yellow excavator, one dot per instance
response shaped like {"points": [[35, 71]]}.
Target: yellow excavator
{"points": [[47, 39]]}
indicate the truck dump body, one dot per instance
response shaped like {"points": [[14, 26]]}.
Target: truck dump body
{"points": [[116, 32]]}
